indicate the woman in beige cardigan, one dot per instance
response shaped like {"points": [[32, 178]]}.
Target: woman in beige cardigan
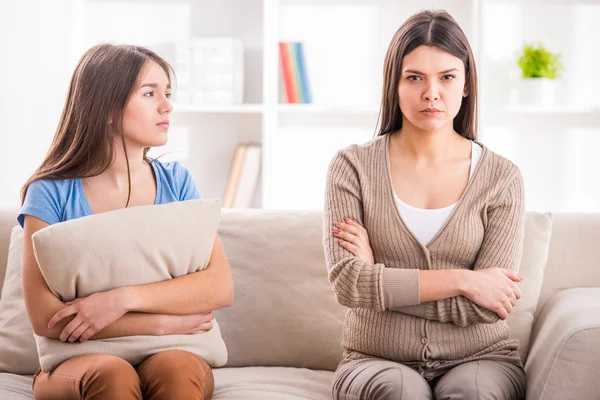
{"points": [[423, 234]]}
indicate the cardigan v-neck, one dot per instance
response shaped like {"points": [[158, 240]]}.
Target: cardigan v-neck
{"points": [[456, 205]]}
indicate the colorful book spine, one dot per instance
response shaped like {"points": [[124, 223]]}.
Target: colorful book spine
{"points": [[294, 73], [297, 74], [287, 73], [306, 94]]}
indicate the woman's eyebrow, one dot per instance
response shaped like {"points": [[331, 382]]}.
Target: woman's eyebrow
{"points": [[412, 71], [154, 85]]}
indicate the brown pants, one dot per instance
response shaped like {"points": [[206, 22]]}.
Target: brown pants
{"points": [[387, 380], [172, 374]]}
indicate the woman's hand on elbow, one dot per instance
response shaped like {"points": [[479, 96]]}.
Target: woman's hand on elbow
{"points": [[187, 324], [354, 237], [494, 289], [92, 314]]}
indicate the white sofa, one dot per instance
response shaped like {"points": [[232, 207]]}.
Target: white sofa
{"points": [[284, 331]]}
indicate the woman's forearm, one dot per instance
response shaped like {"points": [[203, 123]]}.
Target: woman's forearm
{"points": [[441, 284], [195, 293]]}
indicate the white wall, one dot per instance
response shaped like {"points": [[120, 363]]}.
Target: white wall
{"points": [[34, 45]]}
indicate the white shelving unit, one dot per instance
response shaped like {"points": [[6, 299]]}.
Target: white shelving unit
{"points": [[345, 43]]}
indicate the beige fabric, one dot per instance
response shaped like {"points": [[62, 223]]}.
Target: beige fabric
{"points": [[258, 383], [17, 348], [574, 254], [125, 247], [565, 348], [7, 221], [15, 387], [273, 383], [484, 230], [538, 230], [284, 312]]}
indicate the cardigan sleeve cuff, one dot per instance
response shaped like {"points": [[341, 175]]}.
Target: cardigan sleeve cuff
{"points": [[401, 287]]}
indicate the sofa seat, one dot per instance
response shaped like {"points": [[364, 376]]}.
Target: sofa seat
{"points": [[250, 383]]}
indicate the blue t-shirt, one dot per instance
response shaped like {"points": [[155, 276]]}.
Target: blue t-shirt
{"points": [[56, 201]]}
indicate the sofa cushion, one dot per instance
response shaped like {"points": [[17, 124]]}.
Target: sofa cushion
{"points": [[284, 313], [257, 383], [272, 383], [538, 230], [565, 348], [16, 387], [131, 246], [574, 254], [17, 347]]}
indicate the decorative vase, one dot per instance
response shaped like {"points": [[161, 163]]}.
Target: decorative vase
{"points": [[537, 91]]}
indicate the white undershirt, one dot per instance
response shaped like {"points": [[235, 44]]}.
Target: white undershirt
{"points": [[426, 223]]}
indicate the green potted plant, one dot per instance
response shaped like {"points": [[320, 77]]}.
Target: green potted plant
{"points": [[539, 70]]}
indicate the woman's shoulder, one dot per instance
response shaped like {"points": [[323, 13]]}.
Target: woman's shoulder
{"points": [[175, 179], [500, 165], [46, 199], [170, 170], [51, 188], [499, 171], [360, 154]]}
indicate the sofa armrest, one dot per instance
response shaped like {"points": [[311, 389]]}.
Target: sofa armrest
{"points": [[564, 355]]}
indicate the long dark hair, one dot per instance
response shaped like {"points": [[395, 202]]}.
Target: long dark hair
{"points": [[428, 28], [102, 83]]}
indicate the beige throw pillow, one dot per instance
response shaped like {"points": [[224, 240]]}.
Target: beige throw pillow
{"points": [[17, 347], [285, 313], [538, 230], [131, 246]]}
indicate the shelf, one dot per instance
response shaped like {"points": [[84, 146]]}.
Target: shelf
{"points": [[548, 110], [542, 2], [325, 109], [219, 109]]}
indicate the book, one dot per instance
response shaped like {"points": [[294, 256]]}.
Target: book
{"points": [[287, 73], [305, 87], [243, 176]]}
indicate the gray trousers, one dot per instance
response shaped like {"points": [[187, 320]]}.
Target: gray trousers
{"points": [[383, 380]]}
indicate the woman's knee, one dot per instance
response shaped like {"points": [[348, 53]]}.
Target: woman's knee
{"points": [[97, 376], [482, 380], [380, 380], [175, 371], [109, 367]]}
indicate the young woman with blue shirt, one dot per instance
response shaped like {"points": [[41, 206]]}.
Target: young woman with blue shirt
{"points": [[117, 107]]}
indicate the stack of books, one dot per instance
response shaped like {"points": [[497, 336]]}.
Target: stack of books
{"points": [[244, 175], [293, 72]]}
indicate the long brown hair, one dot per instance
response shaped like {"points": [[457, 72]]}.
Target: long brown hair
{"points": [[428, 28], [102, 83]]}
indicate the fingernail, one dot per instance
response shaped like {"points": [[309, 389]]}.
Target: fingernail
{"points": [[337, 224], [347, 219], [335, 231], [520, 277]]}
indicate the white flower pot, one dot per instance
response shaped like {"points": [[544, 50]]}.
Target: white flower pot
{"points": [[537, 91]]}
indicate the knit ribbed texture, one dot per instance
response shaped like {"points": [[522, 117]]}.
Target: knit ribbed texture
{"points": [[386, 318]]}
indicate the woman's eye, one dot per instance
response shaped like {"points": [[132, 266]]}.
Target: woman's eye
{"points": [[413, 78], [168, 95], [448, 77], [149, 94]]}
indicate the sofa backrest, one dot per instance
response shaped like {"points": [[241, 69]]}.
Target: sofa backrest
{"points": [[574, 256], [281, 257], [8, 219]]}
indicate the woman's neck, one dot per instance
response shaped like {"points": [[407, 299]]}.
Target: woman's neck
{"points": [[431, 147], [118, 172]]}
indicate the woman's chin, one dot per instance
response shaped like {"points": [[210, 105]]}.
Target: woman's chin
{"points": [[430, 125]]}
